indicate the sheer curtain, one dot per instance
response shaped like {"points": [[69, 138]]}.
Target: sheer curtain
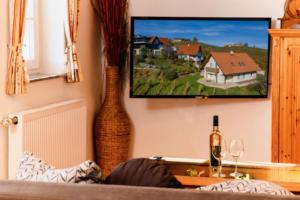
{"points": [[73, 65], [17, 77]]}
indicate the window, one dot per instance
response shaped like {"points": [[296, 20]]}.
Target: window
{"points": [[30, 36], [241, 63], [44, 38], [156, 52]]}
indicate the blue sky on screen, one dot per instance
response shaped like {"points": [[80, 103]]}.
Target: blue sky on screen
{"points": [[214, 32]]}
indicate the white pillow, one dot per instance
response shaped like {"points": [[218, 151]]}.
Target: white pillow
{"points": [[32, 168], [247, 186]]}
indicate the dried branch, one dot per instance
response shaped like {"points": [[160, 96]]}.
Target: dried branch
{"points": [[113, 20]]}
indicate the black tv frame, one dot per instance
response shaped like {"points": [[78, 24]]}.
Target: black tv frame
{"points": [[133, 18]]}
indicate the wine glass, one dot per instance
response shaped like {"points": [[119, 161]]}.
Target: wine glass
{"points": [[219, 152], [236, 150]]}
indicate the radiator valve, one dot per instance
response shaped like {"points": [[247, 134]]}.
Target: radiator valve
{"points": [[9, 121]]}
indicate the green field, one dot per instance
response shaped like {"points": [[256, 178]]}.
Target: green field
{"points": [[186, 85], [170, 76]]}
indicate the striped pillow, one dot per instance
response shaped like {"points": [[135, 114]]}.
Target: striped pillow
{"points": [[247, 186], [32, 168]]}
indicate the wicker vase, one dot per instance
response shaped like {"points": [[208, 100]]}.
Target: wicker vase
{"points": [[112, 126]]}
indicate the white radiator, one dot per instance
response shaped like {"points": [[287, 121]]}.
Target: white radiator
{"points": [[3, 152], [55, 133]]}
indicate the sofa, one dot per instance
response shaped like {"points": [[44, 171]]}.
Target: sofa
{"points": [[59, 191]]}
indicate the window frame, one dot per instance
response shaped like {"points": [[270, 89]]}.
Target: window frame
{"points": [[33, 65]]}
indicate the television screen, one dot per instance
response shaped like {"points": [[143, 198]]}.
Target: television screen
{"points": [[199, 57]]}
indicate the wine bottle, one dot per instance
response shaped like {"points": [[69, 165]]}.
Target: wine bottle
{"points": [[214, 144]]}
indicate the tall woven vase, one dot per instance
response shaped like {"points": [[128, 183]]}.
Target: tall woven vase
{"points": [[112, 126]]}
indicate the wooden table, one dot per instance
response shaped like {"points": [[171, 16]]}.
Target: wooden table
{"points": [[285, 175]]}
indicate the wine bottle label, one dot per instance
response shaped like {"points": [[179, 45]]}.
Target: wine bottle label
{"points": [[215, 140], [214, 152]]}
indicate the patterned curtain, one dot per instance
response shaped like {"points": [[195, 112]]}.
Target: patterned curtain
{"points": [[17, 77], [73, 65]]}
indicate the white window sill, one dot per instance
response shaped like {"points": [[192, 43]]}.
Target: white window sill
{"points": [[34, 77]]}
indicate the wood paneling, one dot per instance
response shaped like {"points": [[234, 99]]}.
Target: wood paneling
{"points": [[285, 114], [285, 95], [275, 96], [295, 57]]}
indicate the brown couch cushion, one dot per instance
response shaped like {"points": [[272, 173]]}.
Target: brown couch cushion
{"points": [[142, 172]]}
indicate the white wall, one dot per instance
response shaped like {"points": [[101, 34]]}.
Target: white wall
{"points": [[210, 64], [180, 127], [55, 90]]}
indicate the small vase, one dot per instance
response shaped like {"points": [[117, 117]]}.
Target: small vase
{"points": [[112, 126]]}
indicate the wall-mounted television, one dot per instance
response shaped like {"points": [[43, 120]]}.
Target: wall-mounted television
{"points": [[199, 57]]}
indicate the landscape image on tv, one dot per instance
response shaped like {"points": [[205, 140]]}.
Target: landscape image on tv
{"points": [[211, 57]]}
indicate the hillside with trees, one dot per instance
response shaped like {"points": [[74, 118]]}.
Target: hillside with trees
{"points": [[167, 75]]}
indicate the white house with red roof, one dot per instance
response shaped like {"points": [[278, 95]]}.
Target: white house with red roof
{"points": [[230, 67], [190, 52]]}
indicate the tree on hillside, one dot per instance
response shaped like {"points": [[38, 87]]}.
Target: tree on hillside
{"points": [[195, 39], [170, 74], [167, 53], [143, 53]]}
